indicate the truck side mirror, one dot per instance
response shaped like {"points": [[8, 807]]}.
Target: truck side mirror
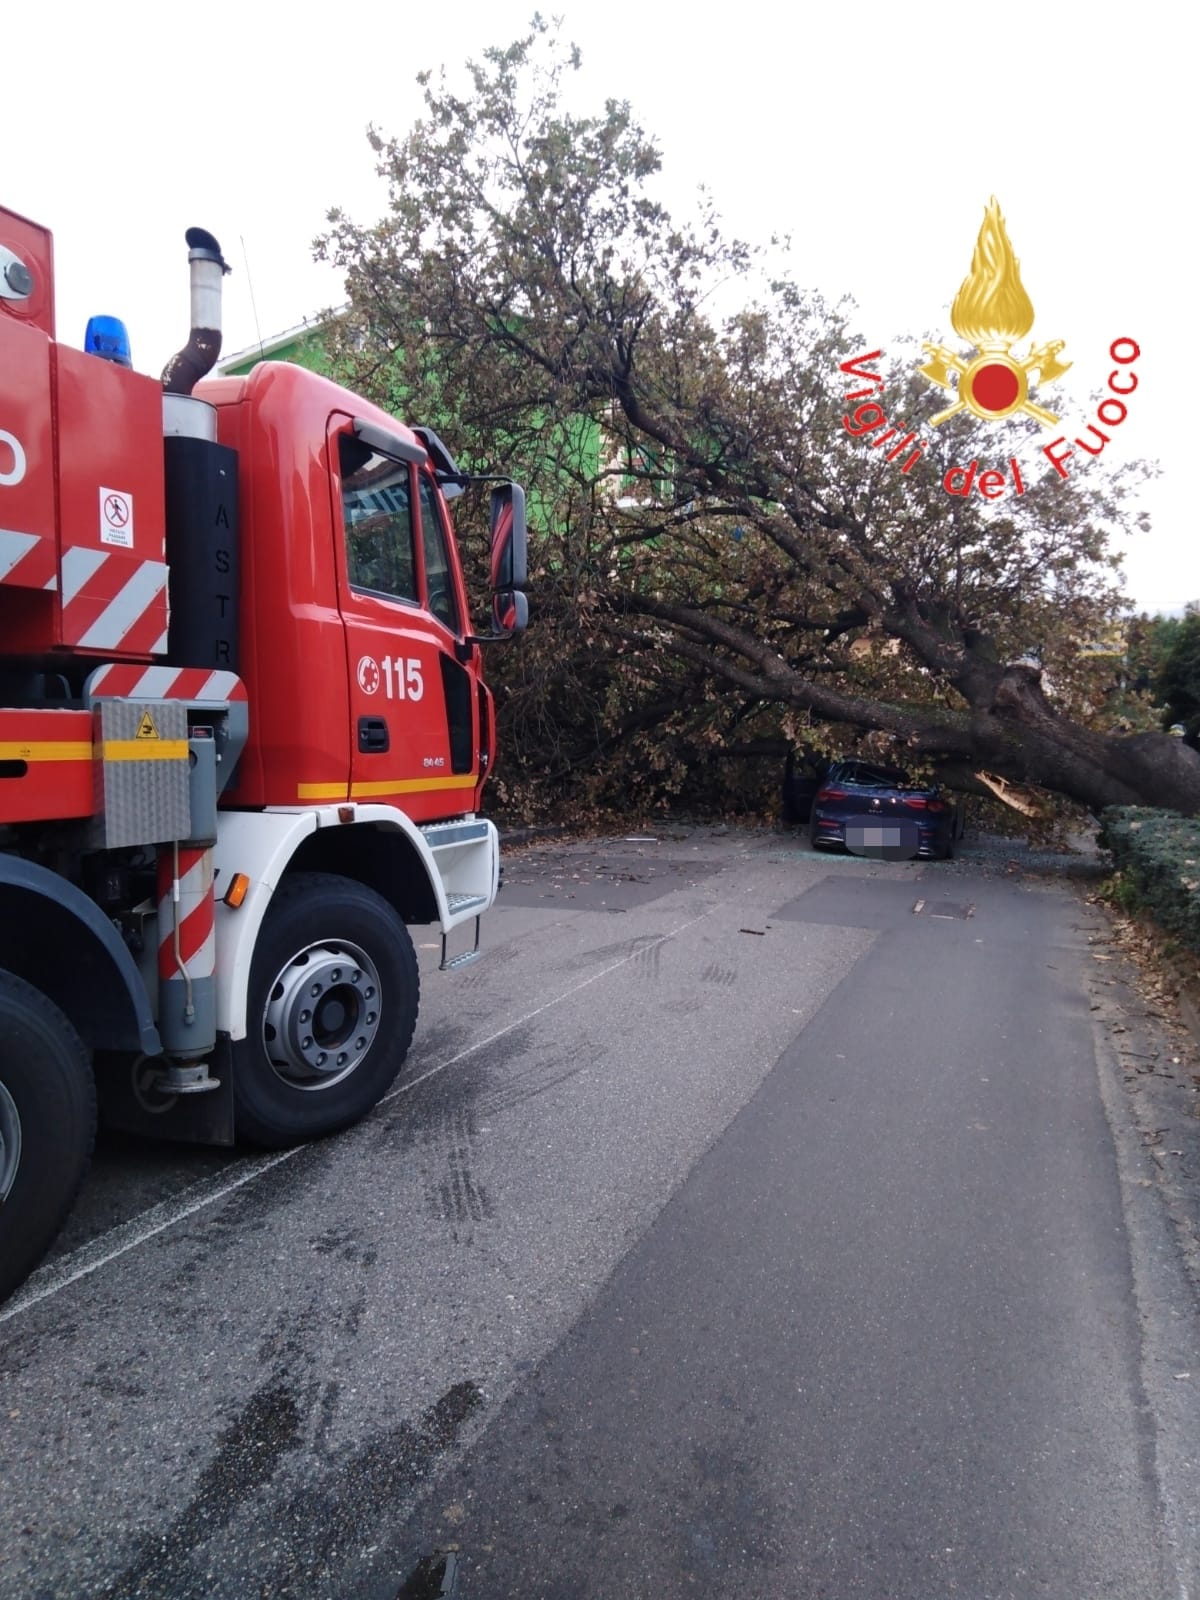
{"points": [[509, 570], [510, 611], [510, 559], [510, 564]]}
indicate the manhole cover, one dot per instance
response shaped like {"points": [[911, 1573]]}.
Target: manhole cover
{"points": [[944, 910]]}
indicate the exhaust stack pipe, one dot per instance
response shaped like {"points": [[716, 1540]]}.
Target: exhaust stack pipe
{"points": [[185, 369]]}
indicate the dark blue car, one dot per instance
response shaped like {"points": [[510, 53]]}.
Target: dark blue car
{"points": [[878, 802]]}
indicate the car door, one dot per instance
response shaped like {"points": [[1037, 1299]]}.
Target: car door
{"points": [[411, 701]]}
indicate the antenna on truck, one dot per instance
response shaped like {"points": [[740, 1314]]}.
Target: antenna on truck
{"points": [[253, 303]]}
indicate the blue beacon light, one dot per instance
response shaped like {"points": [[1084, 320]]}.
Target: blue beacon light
{"points": [[108, 338]]}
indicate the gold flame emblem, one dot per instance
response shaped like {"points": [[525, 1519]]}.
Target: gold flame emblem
{"points": [[992, 312]]}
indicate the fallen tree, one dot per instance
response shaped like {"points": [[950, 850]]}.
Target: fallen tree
{"points": [[715, 541]]}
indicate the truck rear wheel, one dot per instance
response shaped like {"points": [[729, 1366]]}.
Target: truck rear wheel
{"points": [[47, 1124], [332, 1008]]}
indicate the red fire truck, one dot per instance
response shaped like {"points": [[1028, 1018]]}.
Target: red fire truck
{"points": [[244, 735]]}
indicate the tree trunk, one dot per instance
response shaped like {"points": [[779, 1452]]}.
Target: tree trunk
{"points": [[1022, 738]]}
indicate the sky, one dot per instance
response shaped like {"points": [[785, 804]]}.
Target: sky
{"points": [[872, 135]]}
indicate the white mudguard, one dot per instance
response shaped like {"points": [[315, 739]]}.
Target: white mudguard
{"points": [[461, 860]]}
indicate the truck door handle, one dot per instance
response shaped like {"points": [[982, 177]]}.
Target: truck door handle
{"points": [[372, 736]]}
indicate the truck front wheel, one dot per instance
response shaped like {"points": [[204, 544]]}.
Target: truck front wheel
{"points": [[47, 1124], [332, 1007]]}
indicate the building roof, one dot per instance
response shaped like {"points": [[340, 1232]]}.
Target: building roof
{"points": [[263, 349]]}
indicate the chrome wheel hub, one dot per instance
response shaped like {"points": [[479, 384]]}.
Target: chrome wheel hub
{"points": [[322, 1015]]}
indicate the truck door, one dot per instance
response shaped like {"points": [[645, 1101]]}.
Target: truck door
{"points": [[412, 703]]}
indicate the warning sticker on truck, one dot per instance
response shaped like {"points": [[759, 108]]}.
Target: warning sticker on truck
{"points": [[116, 518]]}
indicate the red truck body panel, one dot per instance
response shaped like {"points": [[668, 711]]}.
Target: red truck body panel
{"points": [[46, 765], [81, 486]]}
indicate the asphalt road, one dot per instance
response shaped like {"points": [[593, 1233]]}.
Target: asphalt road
{"points": [[746, 1223]]}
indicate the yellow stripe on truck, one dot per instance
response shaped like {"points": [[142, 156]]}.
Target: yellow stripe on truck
{"points": [[382, 786], [46, 750], [145, 749]]}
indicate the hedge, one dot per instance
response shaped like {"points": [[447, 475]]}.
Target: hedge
{"points": [[1157, 854]]}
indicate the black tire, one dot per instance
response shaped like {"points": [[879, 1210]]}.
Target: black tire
{"points": [[47, 1124], [292, 1084]]}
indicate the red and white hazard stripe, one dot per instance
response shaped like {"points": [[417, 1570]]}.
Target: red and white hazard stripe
{"points": [[110, 602], [164, 683], [27, 560], [197, 940]]}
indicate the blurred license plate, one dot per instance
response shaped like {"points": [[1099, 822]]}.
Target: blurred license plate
{"points": [[868, 836], [896, 839]]}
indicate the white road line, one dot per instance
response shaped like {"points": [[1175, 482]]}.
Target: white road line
{"points": [[58, 1275], [126, 1236]]}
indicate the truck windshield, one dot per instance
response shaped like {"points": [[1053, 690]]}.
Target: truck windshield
{"points": [[377, 510], [438, 576]]}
